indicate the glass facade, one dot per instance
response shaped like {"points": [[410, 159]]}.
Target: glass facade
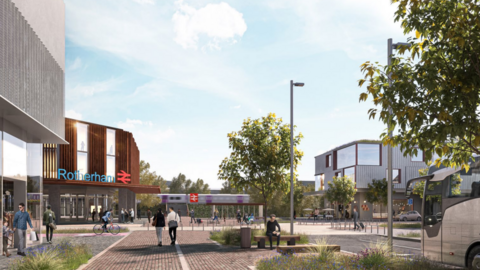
{"points": [[111, 153], [346, 157], [82, 137], [82, 163], [350, 172], [369, 154]]}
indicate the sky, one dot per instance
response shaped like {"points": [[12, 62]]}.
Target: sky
{"points": [[181, 74]]}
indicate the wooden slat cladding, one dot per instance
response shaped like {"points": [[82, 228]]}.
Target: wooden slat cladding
{"points": [[97, 149], [121, 151], [134, 161], [68, 152], [50, 160]]}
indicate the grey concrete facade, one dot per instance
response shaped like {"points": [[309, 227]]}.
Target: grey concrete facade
{"points": [[30, 77]]}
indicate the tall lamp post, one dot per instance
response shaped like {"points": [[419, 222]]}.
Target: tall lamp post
{"points": [[391, 47], [292, 84]]}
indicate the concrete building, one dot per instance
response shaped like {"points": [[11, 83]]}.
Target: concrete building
{"points": [[363, 161], [32, 99]]}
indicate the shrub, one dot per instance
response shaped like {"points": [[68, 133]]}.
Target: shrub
{"points": [[410, 234]]}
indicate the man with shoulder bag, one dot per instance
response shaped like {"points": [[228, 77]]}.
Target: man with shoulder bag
{"points": [[49, 221]]}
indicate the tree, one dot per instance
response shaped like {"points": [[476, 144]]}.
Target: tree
{"points": [[341, 190], [227, 188], [260, 157], [182, 185], [378, 192], [419, 187], [436, 90], [150, 178]]}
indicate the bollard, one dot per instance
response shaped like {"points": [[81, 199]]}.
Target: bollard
{"points": [[204, 226], [383, 230], [377, 228]]}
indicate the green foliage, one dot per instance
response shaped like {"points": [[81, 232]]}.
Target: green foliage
{"points": [[435, 92], [182, 185], [230, 236], [227, 188], [410, 235], [341, 190], [53, 257], [378, 192], [260, 157], [150, 178], [404, 225]]}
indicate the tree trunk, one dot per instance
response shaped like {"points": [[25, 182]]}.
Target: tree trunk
{"points": [[265, 217]]}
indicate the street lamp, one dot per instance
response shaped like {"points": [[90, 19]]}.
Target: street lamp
{"points": [[292, 84], [391, 47]]}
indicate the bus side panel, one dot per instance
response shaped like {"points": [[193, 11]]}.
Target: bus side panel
{"points": [[460, 229]]}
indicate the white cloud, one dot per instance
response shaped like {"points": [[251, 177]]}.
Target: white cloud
{"points": [[219, 22], [94, 88], [77, 63], [145, 132], [73, 114], [150, 2]]}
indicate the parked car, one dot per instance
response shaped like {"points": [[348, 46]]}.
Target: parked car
{"points": [[397, 216], [410, 215]]}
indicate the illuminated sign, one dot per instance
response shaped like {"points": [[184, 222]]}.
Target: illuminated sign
{"points": [[94, 177]]}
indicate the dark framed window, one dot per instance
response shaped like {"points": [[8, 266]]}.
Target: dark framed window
{"points": [[346, 157], [396, 175], [338, 174], [350, 172], [368, 154], [419, 157], [328, 161]]}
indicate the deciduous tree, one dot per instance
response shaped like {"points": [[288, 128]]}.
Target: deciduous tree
{"points": [[150, 178], [341, 190], [435, 92], [260, 157], [378, 192]]}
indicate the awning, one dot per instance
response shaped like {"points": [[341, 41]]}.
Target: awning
{"points": [[137, 189], [36, 131]]}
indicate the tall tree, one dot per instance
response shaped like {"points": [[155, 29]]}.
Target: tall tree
{"points": [[177, 186], [150, 178], [260, 157], [341, 190], [227, 188], [435, 92], [378, 192], [182, 185]]}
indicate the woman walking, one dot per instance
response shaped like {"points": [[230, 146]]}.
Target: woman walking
{"points": [[172, 220], [159, 223]]}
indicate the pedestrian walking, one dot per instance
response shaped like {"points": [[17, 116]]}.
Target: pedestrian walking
{"points": [[272, 224], [159, 224], [20, 221], [172, 220], [5, 235], [224, 217], [122, 216], [132, 215], [215, 215], [93, 215], [139, 214], [192, 216], [355, 219], [49, 221], [315, 214], [149, 215]]}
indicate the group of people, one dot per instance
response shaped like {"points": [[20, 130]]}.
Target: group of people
{"points": [[20, 222], [127, 215], [246, 217], [172, 220]]}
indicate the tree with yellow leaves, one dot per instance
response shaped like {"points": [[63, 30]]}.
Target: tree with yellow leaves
{"points": [[260, 157]]}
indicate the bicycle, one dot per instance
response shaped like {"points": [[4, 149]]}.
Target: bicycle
{"points": [[111, 228]]}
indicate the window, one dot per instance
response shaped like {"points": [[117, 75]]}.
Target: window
{"points": [[350, 172], [433, 203], [82, 137], [454, 182], [328, 161], [110, 154], [369, 154], [82, 149], [396, 176], [338, 174], [346, 157], [82, 164], [418, 157]]}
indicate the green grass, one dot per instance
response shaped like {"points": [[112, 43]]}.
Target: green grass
{"points": [[231, 237], [90, 230], [410, 234], [404, 225], [375, 257], [63, 256]]}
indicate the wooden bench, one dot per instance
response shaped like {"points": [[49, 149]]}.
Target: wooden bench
{"points": [[305, 248], [289, 238]]}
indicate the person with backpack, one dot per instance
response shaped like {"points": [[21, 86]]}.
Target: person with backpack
{"points": [[105, 218], [159, 224], [172, 220], [192, 216], [49, 221]]}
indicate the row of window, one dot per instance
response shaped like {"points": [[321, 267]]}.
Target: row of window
{"points": [[361, 154], [82, 150], [350, 172]]}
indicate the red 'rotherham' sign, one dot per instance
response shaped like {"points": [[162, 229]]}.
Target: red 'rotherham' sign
{"points": [[194, 197]]}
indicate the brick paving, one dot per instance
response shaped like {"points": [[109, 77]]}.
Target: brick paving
{"points": [[139, 251]]}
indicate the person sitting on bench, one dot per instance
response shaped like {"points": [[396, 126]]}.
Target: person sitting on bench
{"points": [[272, 224]]}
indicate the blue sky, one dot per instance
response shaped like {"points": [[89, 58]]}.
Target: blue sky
{"points": [[180, 75]]}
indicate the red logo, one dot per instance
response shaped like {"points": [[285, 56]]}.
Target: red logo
{"points": [[123, 177], [193, 197]]}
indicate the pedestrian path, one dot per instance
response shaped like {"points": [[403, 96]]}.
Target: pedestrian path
{"points": [[139, 251]]}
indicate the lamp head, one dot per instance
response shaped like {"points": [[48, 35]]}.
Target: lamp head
{"points": [[299, 84]]}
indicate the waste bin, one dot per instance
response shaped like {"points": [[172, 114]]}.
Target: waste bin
{"points": [[245, 237]]}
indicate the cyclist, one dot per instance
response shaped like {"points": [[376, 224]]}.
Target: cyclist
{"points": [[106, 218]]}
